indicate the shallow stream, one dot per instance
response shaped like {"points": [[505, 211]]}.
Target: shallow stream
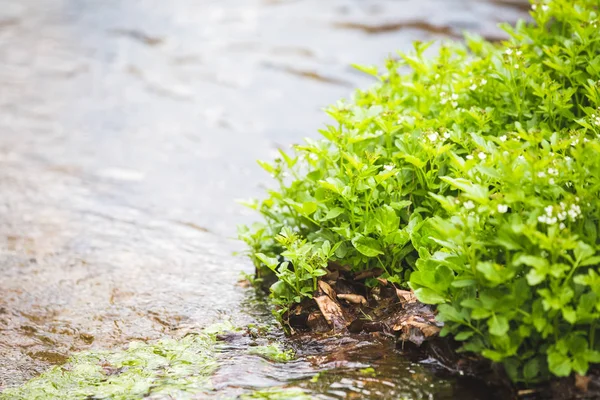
{"points": [[128, 130]]}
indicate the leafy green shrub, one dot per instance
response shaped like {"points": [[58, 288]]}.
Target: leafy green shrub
{"points": [[474, 177]]}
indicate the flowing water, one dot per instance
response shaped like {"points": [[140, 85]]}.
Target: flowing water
{"points": [[127, 131]]}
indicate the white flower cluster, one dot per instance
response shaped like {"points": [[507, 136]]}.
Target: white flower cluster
{"points": [[474, 85], [509, 52], [481, 155], [435, 137], [445, 97], [560, 214], [544, 7], [596, 118], [389, 167]]}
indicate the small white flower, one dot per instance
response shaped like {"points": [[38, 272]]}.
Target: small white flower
{"points": [[553, 171], [551, 181], [481, 155], [508, 51], [519, 52], [454, 104], [549, 210], [505, 153], [562, 226], [388, 167], [516, 66], [545, 7], [542, 219], [469, 157], [446, 135], [541, 174], [567, 158], [483, 81], [473, 87], [469, 205], [534, 6], [503, 138], [437, 76], [433, 136], [521, 157], [442, 94], [454, 96], [313, 157], [502, 208]]}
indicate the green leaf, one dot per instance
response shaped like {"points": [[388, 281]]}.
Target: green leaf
{"points": [[461, 283], [493, 355], [595, 260], [333, 213], [428, 296], [480, 313], [288, 160], [559, 364], [309, 207], [583, 251], [531, 369], [472, 190], [367, 246], [533, 261], [535, 277], [569, 315], [400, 205], [367, 69], [464, 335], [498, 325]]}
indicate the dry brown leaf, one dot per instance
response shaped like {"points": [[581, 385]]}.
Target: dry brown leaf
{"points": [[328, 290], [428, 329], [330, 308], [406, 296], [332, 276], [368, 274], [353, 298], [582, 382]]}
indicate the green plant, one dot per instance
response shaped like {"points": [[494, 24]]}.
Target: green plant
{"points": [[473, 177]]}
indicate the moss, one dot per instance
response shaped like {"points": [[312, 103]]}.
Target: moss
{"points": [[273, 352], [278, 394], [178, 368]]}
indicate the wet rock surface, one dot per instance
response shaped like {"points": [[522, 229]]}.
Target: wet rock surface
{"points": [[128, 130]]}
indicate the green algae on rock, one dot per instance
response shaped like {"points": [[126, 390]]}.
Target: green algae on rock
{"points": [[178, 368], [278, 394], [273, 352]]}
